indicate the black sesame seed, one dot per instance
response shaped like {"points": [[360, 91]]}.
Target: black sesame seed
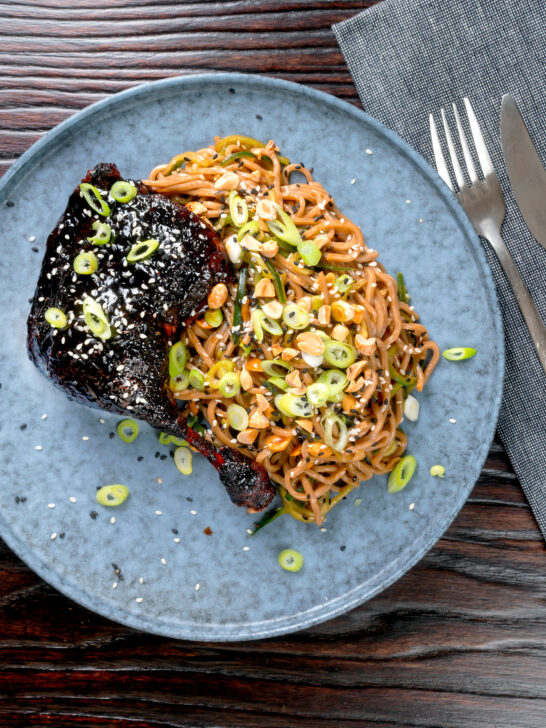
{"points": [[259, 117], [23, 499], [162, 457], [62, 535], [93, 514], [23, 426], [9, 203], [17, 499], [34, 249], [111, 435], [157, 454], [175, 531], [140, 458], [189, 499], [231, 90], [342, 548]]}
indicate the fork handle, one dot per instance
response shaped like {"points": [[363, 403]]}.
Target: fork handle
{"points": [[526, 304]]}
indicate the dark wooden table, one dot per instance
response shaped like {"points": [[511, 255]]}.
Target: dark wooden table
{"points": [[458, 642]]}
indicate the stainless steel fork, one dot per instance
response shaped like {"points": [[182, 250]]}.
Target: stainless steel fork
{"points": [[483, 202]]}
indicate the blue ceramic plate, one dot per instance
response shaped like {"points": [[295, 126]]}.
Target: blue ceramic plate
{"points": [[178, 581]]}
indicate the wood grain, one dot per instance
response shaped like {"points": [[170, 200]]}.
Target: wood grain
{"points": [[458, 642]]}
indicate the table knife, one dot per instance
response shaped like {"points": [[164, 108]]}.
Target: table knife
{"points": [[525, 171]]}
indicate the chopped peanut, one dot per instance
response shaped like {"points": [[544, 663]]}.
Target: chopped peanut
{"points": [[305, 425], [293, 379], [355, 385], [310, 343], [247, 437], [355, 369], [197, 207], [358, 314], [318, 449], [250, 243], [340, 332], [324, 314], [273, 309], [365, 346], [265, 209], [264, 289], [305, 303], [258, 420], [298, 391], [270, 248], [289, 354], [246, 380], [275, 443], [263, 404], [228, 181], [254, 365], [218, 296], [276, 349], [348, 403], [342, 311]]}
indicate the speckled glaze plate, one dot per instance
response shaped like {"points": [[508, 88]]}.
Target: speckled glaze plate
{"points": [[174, 579]]}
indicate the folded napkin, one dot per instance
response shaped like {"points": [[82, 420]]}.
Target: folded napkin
{"points": [[411, 57]]}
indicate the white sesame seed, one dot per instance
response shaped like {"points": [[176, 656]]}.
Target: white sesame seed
{"points": [[44, 417], [411, 506], [113, 520], [72, 499], [408, 202], [85, 437], [141, 580], [369, 151], [176, 540], [453, 421], [197, 587], [53, 536], [246, 548], [51, 505], [38, 447], [101, 420], [163, 561], [158, 513], [194, 513], [115, 585], [420, 219], [249, 531], [32, 239], [353, 181], [323, 530], [139, 600]]}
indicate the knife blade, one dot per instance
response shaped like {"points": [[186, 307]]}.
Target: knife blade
{"points": [[525, 171]]}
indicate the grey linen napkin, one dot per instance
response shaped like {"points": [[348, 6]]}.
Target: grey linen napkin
{"points": [[411, 57]]}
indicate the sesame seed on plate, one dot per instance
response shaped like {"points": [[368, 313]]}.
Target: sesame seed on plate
{"points": [[139, 600], [194, 513], [32, 239], [113, 519], [44, 417], [160, 480], [246, 548], [141, 580], [249, 531], [72, 499], [411, 506], [369, 151], [453, 421], [115, 585], [163, 561], [158, 513], [408, 202], [176, 539], [353, 181], [53, 536], [38, 447], [101, 420], [323, 530], [85, 437], [51, 505], [197, 587]]}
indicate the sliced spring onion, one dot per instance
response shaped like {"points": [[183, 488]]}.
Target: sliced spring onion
{"points": [[292, 405], [143, 250], [295, 317], [317, 393], [94, 199], [344, 283], [223, 222], [103, 233], [237, 417], [406, 381], [86, 263], [237, 316], [217, 371], [411, 408], [230, 384], [56, 318], [312, 360], [256, 318], [123, 191], [279, 382], [96, 319], [178, 356], [459, 353], [271, 326], [238, 209], [401, 474], [112, 495], [249, 228], [179, 382], [197, 379], [267, 518], [336, 398], [335, 380], [233, 249], [332, 422], [438, 471], [309, 252], [214, 317], [339, 354], [127, 430], [276, 367], [290, 560], [277, 282], [284, 229], [402, 292], [236, 155], [166, 439], [182, 460]]}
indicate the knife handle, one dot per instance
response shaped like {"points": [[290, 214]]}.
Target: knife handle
{"points": [[526, 304]]}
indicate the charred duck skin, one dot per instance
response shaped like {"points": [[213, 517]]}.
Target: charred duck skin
{"points": [[144, 302]]}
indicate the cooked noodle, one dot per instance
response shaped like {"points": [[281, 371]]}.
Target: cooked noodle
{"points": [[396, 355]]}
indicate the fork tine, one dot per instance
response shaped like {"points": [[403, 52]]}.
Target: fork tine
{"points": [[466, 151], [441, 165], [479, 143], [459, 176]]}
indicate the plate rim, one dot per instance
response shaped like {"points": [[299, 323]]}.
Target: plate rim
{"points": [[319, 612]]}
